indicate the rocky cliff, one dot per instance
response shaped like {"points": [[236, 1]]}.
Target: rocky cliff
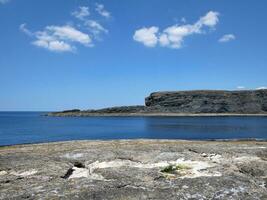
{"points": [[209, 101], [200, 102]]}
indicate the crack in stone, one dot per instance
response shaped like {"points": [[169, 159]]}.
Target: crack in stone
{"points": [[68, 173]]}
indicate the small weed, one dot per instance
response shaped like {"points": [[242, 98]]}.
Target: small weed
{"points": [[182, 167], [169, 169], [175, 169]]}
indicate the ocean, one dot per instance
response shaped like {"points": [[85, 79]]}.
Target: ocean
{"points": [[34, 127]]}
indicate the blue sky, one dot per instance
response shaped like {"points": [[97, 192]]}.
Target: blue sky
{"points": [[84, 54]]}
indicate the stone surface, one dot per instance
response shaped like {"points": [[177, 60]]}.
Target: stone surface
{"points": [[134, 169]]}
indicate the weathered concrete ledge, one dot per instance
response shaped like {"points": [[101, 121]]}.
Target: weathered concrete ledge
{"points": [[135, 169]]}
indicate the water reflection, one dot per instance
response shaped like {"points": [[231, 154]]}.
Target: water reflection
{"points": [[206, 127]]}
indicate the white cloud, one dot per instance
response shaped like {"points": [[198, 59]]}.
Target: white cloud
{"points": [[210, 19], [4, 1], [58, 38], [23, 28], [164, 40], [90, 24], [173, 36], [227, 38], [54, 45], [147, 36], [65, 38], [101, 10], [81, 13], [68, 33], [94, 27], [241, 87], [261, 88]]}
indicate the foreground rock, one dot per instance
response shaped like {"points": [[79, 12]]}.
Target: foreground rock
{"points": [[138, 169], [202, 102]]}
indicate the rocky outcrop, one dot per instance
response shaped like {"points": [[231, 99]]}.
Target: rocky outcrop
{"points": [[135, 169], [201, 102], [209, 101], [120, 109]]}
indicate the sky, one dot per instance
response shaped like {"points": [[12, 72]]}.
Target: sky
{"points": [[65, 54]]}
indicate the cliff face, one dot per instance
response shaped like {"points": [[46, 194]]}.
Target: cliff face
{"points": [[178, 103], [208, 101]]}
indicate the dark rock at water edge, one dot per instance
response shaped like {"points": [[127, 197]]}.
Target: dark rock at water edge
{"points": [[71, 111]]}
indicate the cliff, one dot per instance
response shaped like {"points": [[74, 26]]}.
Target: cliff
{"points": [[199, 102], [209, 101]]}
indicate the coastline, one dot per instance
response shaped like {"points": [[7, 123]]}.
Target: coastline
{"points": [[234, 140], [86, 114]]}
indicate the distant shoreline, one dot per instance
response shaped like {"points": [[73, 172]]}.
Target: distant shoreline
{"points": [[85, 114], [234, 140]]}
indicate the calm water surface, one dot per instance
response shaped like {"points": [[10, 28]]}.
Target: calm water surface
{"points": [[32, 127]]}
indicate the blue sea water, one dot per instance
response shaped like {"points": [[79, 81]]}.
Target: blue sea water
{"points": [[33, 127]]}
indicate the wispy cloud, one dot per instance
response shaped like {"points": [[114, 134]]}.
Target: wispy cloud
{"points": [[173, 36], [23, 28], [102, 11], [54, 45], [58, 38], [241, 87], [81, 13], [94, 27], [227, 38], [4, 1], [261, 88], [65, 38]]}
